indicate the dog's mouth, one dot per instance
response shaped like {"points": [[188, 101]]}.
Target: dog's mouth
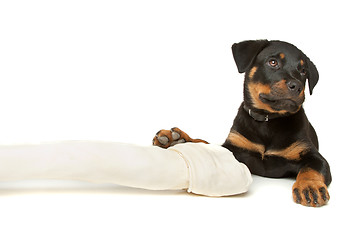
{"points": [[281, 103], [276, 98]]}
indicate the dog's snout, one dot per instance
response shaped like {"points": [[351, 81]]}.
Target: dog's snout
{"points": [[294, 86]]}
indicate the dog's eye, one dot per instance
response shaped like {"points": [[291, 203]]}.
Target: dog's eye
{"points": [[273, 63]]}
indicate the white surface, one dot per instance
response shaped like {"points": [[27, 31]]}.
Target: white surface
{"points": [[110, 70]]}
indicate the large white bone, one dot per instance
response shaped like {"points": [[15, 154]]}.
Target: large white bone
{"points": [[200, 168]]}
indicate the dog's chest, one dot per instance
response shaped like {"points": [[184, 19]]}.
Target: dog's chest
{"points": [[292, 151]]}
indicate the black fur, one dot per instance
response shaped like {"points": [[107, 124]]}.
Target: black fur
{"points": [[245, 53], [290, 123]]}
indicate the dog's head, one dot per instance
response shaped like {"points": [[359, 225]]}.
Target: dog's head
{"points": [[275, 75]]}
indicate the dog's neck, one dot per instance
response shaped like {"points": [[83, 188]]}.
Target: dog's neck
{"points": [[261, 116]]}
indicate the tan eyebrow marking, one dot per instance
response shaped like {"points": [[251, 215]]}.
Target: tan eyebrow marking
{"points": [[252, 72]]}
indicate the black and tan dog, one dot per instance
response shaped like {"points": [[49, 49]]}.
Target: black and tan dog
{"points": [[271, 133]]}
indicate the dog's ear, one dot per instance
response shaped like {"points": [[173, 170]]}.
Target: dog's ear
{"points": [[245, 53], [313, 75]]}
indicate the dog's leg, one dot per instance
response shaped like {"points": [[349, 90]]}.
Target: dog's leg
{"points": [[168, 138]]}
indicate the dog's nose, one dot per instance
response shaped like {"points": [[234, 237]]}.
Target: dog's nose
{"points": [[294, 86]]}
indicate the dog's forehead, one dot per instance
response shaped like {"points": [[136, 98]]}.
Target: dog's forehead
{"points": [[284, 49]]}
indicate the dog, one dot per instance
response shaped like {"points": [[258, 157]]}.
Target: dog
{"points": [[271, 133]]}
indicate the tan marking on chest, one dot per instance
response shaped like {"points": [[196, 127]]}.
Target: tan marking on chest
{"points": [[292, 152], [239, 140]]}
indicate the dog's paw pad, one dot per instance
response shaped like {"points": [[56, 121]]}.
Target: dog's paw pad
{"points": [[175, 135], [163, 140], [178, 141]]}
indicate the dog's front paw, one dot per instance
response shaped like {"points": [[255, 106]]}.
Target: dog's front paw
{"points": [[167, 138], [310, 193]]}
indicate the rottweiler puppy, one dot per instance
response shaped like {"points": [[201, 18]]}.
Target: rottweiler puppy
{"points": [[271, 133]]}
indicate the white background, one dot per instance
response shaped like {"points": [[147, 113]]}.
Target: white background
{"points": [[122, 70]]}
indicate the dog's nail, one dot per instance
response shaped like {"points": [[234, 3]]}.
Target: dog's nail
{"points": [[307, 196], [298, 196]]}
